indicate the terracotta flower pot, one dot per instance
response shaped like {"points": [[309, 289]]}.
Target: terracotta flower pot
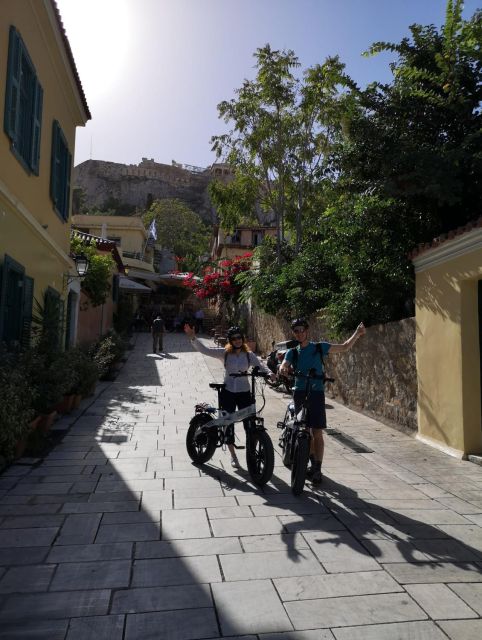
{"points": [[76, 402], [46, 421], [35, 423], [65, 405], [20, 447]]}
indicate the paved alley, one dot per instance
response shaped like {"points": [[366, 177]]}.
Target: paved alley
{"points": [[115, 535]]}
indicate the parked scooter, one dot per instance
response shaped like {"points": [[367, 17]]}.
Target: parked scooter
{"points": [[274, 360]]}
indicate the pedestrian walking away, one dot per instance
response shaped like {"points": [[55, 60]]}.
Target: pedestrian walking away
{"points": [[199, 317], [157, 331], [237, 358], [308, 356]]}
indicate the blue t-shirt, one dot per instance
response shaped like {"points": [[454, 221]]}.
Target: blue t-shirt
{"points": [[308, 358]]}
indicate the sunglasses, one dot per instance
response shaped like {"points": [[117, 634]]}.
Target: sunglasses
{"points": [[300, 330], [236, 337]]}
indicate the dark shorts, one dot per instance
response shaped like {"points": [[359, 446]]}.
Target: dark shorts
{"points": [[230, 402], [316, 414]]}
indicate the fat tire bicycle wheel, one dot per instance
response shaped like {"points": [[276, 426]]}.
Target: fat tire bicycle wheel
{"points": [[300, 462], [202, 446], [259, 457]]}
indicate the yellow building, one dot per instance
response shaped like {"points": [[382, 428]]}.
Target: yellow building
{"points": [[244, 238], [42, 102], [449, 341], [129, 235]]}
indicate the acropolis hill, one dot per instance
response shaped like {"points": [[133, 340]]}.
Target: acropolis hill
{"points": [[131, 186]]}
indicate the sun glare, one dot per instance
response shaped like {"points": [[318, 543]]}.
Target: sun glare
{"points": [[99, 34]]}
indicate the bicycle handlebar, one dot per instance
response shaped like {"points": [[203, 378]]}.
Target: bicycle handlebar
{"points": [[255, 373], [311, 375]]}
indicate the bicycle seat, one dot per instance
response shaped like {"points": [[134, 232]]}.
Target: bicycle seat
{"points": [[217, 385]]}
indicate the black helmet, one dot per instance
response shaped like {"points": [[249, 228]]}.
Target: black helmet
{"points": [[233, 331], [299, 322]]}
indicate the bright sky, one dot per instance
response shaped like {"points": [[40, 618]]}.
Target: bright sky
{"points": [[153, 71]]}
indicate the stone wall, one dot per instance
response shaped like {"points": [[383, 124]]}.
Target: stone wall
{"points": [[378, 376]]}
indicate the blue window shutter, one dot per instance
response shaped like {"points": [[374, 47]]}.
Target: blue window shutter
{"points": [[37, 126], [12, 95]]}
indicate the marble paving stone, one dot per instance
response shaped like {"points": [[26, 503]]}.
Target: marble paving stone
{"points": [[289, 509], [193, 624], [433, 572], [27, 579], [175, 571], [319, 634], [97, 627], [470, 593], [91, 575], [128, 532], [189, 523], [253, 610], [90, 552], [462, 629], [99, 507], [340, 552], [229, 512], [39, 489], [246, 526], [131, 517], [273, 564], [335, 585], [430, 516], [321, 522], [36, 537], [395, 551], [26, 522], [79, 529], [447, 550], [17, 510], [439, 601], [187, 547], [204, 503], [29, 555], [353, 610], [44, 606], [289, 542], [38, 630], [161, 599], [396, 631]]}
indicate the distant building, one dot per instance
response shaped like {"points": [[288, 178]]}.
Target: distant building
{"points": [[245, 238]]}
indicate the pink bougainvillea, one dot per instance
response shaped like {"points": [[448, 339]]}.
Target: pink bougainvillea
{"points": [[219, 281]]}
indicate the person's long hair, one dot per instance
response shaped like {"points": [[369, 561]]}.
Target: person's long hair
{"points": [[244, 347]]}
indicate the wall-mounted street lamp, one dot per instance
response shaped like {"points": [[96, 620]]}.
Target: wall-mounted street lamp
{"points": [[82, 263]]}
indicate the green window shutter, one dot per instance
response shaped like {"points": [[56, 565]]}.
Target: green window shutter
{"points": [[115, 288], [55, 164], [67, 183], [12, 95], [11, 301], [37, 126], [27, 310], [53, 318]]}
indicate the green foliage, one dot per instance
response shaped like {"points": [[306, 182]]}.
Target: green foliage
{"points": [[398, 164], [97, 282], [124, 315], [85, 368], [16, 400], [108, 351], [179, 229]]}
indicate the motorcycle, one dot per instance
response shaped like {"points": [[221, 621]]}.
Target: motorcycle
{"points": [[274, 360]]}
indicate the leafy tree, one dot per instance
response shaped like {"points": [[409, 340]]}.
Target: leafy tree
{"points": [[281, 129], [179, 229]]}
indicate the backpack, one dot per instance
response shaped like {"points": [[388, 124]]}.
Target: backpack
{"points": [[226, 357], [318, 349], [157, 325]]}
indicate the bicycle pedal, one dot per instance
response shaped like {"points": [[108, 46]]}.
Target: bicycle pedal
{"points": [[238, 446], [280, 425]]}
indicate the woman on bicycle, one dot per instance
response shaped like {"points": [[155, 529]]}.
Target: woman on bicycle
{"points": [[237, 358], [309, 355]]}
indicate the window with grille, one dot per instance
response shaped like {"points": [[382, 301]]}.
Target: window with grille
{"points": [[60, 172]]}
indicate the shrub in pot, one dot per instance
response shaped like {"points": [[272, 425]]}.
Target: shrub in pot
{"points": [[108, 351], [86, 370], [16, 404]]}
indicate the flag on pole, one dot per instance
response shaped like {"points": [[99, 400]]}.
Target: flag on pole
{"points": [[153, 230]]}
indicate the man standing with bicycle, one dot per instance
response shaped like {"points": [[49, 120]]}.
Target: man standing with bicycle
{"points": [[303, 358]]}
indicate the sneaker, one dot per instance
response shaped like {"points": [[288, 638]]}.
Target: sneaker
{"points": [[316, 477], [311, 469], [235, 463]]}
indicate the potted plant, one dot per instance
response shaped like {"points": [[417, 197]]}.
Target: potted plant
{"points": [[86, 372], [108, 354], [16, 411]]}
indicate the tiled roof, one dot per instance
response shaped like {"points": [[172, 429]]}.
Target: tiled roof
{"points": [[71, 58], [102, 244], [446, 237]]}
